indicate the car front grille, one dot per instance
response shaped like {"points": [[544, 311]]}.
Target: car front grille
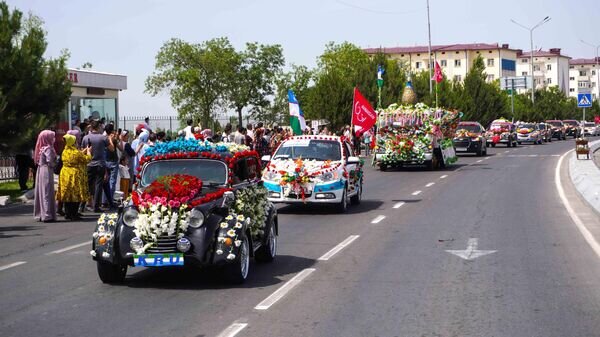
{"points": [[165, 244], [293, 195], [461, 143]]}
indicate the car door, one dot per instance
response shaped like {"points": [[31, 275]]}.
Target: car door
{"points": [[352, 169]]}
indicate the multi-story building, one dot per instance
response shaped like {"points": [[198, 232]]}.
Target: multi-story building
{"points": [[550, 68], [456, 59], [584, 74]]}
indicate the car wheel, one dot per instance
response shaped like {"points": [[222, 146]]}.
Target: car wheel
{"points": [[342, 207], [479, 152], [493, 145], [237, 271], [509, 144], [519, 143], [355, 199], [111, 273], [268, 251], [383, 167]]}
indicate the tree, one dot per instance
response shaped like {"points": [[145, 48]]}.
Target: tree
{"points": [[298, 79], [255, 71], [33, 90], [196, 76]]}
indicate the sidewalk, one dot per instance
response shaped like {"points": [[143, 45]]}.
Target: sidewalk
{"points": [[585, 175]]}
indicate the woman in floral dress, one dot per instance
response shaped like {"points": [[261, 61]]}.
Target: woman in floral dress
{"points": [[73, 188], [44, 208]]}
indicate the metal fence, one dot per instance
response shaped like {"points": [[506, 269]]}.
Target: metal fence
{"points": [[165, 123], [7, 168]]}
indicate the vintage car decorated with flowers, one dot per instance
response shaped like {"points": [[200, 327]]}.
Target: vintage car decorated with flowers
{"points": [[502, 131], [195, 203], [314, 169], [470, 138], [529, 133], [415, 135]]}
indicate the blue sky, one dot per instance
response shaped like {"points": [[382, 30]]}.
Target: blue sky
{"points": [[124, 36]]}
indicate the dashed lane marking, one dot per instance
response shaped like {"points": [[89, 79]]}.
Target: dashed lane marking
{"points": [[416, 192], [479, 161], [444, 176], [338, 248], [398, 204], [233, 330], [14, 264], [378, 219], [284, 289], [58, 251], [430, 184]]}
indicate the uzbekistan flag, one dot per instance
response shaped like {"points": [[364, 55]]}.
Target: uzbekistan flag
{"points": [[297, 121]]}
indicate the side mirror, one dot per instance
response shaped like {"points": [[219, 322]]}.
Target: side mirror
{"points": [[265, 158], [228, 199], [353, 160]]}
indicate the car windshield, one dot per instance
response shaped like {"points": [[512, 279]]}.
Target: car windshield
{"points": [[309, 149], [571, 123], [541, 126], [500, 126], [527, 126], [590, 124], [555, 123], [469, 127], [209, 171]]}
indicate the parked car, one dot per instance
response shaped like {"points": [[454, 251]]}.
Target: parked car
{"points": [[571, 128], [501, 131], [590, 129], [528, 133], [558, 129], [195, 204], [314, 169], [545, 130], [470, 138]]}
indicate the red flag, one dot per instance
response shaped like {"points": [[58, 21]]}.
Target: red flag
{"points": [[363, 115], [437, 75]]}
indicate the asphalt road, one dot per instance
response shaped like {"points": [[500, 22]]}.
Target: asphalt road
{"points": [[394, 276]]}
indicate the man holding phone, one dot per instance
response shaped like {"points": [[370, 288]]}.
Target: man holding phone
{"points": [[96, 168]]}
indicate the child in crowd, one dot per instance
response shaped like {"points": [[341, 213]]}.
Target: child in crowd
{"points": [[124, 181]]}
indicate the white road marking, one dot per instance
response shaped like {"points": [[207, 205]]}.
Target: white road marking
{"points": [[533, 155], [430, 184], [284, 289], [486, 158], [589, 238], [444, 176], [58, 251], [479, 161], [556, 155], [416, 192], [471, 253], [398, 204], [14, 264], [378, 219], [506, 151], [233, 330], [339, 247]]}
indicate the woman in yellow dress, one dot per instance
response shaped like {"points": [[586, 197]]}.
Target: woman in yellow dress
{"points": [[72, 187]]}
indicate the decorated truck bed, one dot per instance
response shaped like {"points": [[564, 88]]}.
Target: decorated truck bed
{"points": [[415, 135]]}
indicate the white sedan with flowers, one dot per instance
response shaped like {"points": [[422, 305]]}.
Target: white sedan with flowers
{"points": [[314, 169]]}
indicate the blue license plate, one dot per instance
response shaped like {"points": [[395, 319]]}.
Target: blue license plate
{"points": [[158, 260]]}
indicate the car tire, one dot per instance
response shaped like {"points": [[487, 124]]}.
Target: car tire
{"points": [[236, 272], [355, 199], [268, 250], [342, 207], [479, 152], [383, 167], [519, 143], [493, 145], [111, 273], [509, 144]]}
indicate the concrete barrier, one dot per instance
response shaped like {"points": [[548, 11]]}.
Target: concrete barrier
{"points": [[585, 175]]}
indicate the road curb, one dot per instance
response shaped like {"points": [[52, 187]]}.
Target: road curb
{"points": [[585, 176]]}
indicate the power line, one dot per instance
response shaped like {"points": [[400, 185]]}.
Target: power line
{"points": [[374, 10]]}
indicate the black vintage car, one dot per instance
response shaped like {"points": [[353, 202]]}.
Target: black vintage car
{"points": [[470, 138], [195, 204]]}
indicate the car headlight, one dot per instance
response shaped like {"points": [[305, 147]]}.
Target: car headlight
{"points": [[130, 215], [270, 175], [327, 176], [196, 218]]}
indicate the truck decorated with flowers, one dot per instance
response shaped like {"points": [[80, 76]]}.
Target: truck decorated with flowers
{"points": [[314, 169], [195, 203], [415, 135]]}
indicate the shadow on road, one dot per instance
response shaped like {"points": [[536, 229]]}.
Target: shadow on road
{"points": [[5, 230], [365, 206], [261, 275]]}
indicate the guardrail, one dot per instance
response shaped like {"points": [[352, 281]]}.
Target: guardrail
{"points": [[7, 168]]}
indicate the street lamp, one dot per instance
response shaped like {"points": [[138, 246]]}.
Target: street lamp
{"points": [[429, 49], [530, 29], [597, 64]]}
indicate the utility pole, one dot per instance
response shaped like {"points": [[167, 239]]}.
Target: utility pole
{"points": [[597, 67], [531, 29], [429, 32]]}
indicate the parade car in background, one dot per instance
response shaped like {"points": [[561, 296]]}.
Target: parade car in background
{"points": [[314, 169], [590, 129], [545, 131], [501, 131], [470, 138], [571, 128], [558, 129], [195, 204], [529, 133]]}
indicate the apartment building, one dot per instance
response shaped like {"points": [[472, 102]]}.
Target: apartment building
{"points": [[584, 74], [456, 59], [550, 68]]}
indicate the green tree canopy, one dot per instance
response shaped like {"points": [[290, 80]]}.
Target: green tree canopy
{"points": [[33, 90]]}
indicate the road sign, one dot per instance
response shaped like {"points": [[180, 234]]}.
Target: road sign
{"points": [[516, 82], [584, 100]]}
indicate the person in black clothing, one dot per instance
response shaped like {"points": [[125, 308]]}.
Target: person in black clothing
{"points": [[23, 162]]}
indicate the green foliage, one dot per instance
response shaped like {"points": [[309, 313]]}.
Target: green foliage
{"points": [[298, 79], [33, 90]]}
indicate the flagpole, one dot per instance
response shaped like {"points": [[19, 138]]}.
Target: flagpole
{"points": [[436, 94]]}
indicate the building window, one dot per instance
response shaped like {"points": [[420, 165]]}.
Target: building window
{"points": [[583, 84], [524, 60], [490, 62], [593, 72], [444, 63], [457, 63], [418, 54], [523, 73], [571, 89], [457, 78], [571, 78], [548, 67], [549, 81], [418, 65], [401, 55], [536, 67], [593, 84], [571, 67], [582, 73], [490, 78]]}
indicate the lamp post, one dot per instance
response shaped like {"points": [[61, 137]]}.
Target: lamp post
{"points": [[429, 49], [530, 29], [597, 68]]}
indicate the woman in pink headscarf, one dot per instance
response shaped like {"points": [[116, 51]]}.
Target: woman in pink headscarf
{"points": [[44, 207]]}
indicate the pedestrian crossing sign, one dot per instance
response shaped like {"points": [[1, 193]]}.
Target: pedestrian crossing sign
{"points": [[584, 100]]}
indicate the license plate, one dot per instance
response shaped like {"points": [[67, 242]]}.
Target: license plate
{"points": [[158, 260], [462, 149]]}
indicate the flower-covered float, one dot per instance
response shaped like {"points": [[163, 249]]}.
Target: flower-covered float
{"points": [[314, 169], [415, 135], [529, 133], [195, 203], [502, 131]]}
